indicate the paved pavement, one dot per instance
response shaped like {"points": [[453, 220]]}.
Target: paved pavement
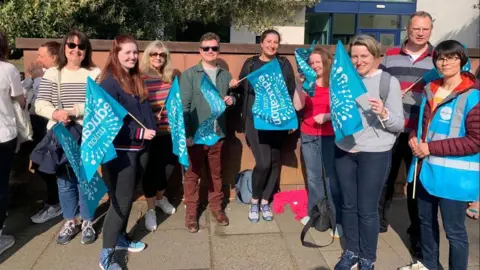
{"points": [[242, 245]]}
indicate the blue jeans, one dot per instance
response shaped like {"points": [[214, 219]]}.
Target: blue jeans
{"points": [[361, 176], [71, 197], [318, 155], [453, 217]]}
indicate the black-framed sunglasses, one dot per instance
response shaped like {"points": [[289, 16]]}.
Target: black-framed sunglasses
{"points": [[80, 46], [155, 54], [207, 48]]}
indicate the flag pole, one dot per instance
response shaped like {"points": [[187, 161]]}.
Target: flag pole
{"points": [[415, 179], [136, 120], [381, 122], [411, 86]]}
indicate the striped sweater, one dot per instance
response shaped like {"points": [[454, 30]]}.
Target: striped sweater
{"points": [[73, 85], [401, 65], [157, 95]]}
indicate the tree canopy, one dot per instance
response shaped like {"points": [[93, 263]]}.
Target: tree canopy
{"points": [[144, 19]]}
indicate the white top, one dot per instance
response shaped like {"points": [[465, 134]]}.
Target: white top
{"points": [[73, 87], [10, 86]]}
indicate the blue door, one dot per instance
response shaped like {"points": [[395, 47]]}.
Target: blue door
{"points": [[385, 37]]}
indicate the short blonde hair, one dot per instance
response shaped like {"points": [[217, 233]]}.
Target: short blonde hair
{"points": [[166, 73], [369, 42]]}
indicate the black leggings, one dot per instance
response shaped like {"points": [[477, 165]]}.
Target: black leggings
{"points": [[160, 155], [121, 176], [266, 148], [7, 150]]}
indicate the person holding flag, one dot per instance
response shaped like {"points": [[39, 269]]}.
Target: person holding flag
{"points": [[446, 167], [362, 159], [122, 79], [205, 92], [409, 63], [156, 66], [61, 98], [265, 144], [318, 140]]}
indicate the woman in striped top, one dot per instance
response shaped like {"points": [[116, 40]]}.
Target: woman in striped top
{"points": [[69, 78], [158, 76]]}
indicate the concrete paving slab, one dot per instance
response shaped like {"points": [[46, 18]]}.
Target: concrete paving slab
{"points": [[324, 238], [304, 258], [260, 251], [287, 222], [388, 259], [72, 256], [393, 239], [26, 251], [239, 223], [173, 249]]}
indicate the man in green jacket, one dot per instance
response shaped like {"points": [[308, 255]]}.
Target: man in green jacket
{"points": [[196, 110]]}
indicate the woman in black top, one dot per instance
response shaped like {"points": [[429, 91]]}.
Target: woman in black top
{"points": [[265, 144]]}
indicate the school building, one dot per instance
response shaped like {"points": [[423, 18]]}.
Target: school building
{"points": [[333, 20]]}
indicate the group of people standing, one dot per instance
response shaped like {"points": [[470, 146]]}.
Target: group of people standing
{"points": [[357, 174]]}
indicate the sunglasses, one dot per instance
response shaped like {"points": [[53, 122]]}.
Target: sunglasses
{"points": [[207, 48], [162, 55], [80, 46]]}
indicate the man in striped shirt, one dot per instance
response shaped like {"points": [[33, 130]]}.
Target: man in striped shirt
{"points": [[408, 63]]}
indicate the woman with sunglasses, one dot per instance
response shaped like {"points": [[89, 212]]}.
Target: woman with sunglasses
{"points": [[265, 145], [68, 80], [156, 66], [122, 79]]}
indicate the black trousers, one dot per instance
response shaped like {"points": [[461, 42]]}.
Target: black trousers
{"points": [[7, 150], [401, 151], [121, 176], [266, 148], [160, 155]]}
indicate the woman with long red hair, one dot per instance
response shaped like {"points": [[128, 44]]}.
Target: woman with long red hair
{"points": [[122, 79]]}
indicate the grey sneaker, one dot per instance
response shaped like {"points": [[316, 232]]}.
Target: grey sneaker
{"points": [[151, 220], [267, 214], [253, 213], [48, 212], [6, 242], [88, 233], [67, 233], [166, 206]]}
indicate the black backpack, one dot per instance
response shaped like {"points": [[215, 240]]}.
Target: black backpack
{"points": [[322, 219]]}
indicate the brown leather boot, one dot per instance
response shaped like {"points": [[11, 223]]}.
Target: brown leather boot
{"points": [[221, 217], [191, 223]]}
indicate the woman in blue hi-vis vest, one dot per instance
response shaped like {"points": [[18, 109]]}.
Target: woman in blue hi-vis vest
{"points": [[447, 151]]}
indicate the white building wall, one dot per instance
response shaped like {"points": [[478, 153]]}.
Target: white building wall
{"points": [[291, 34], [454, 19]]}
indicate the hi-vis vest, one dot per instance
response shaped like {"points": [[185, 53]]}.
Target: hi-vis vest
{"points": [[451, 177]]}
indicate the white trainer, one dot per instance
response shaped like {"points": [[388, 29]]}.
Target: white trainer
{"points": [[151, 220], [414, 266], [165, 205], [338, 232]]}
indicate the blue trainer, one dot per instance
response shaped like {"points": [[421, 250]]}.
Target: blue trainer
{"points": [[253, 213], [348, 261], [365, 264], [267, 213], [107, 260], [132, 246]]}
